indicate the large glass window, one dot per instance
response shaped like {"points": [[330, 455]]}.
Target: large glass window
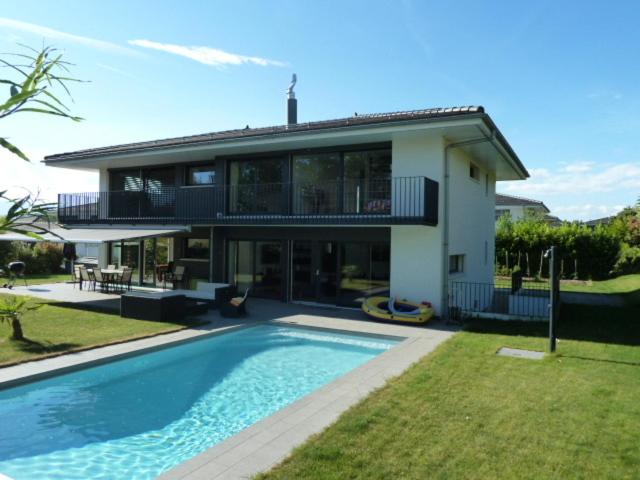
{"points": [[316, 183], [240, 264], [364, 271], [130, 257], [196, 248], [256, 264], [129, 180], [201, 175], [256, 185], [268, 273], [367, 181]]}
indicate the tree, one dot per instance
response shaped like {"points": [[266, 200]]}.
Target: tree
{"points": [[32, 89], [11, 311]]}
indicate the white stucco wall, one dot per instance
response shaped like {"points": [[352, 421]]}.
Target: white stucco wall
{"points": [[416, 251], [471, 215], [516, 211], [471, 229]]}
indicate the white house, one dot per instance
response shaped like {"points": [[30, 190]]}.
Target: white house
{"points": [[325, 212], [519, 207]]}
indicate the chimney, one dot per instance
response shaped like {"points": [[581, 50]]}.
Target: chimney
{"points": [[292, 103]]}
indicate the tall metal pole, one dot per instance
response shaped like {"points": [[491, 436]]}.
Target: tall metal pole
{"points": [[553, 278]]}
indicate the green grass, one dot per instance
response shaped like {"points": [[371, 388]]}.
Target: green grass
{"points": [[464, 412], [620, 285], [54, 329], [40, 278]]}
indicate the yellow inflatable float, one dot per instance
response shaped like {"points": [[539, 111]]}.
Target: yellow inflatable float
{"points": [[392, 310]]}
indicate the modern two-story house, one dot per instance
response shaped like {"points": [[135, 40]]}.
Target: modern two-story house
{"points": [[326, 212]]}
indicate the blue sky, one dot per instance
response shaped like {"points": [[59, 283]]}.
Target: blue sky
{"points": [[559, 79]]}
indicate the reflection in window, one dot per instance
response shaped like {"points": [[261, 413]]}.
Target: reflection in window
{"points": [[256, 186], [367, 178], [364, 271], [197, 248], [201, 175], [316, 186]]}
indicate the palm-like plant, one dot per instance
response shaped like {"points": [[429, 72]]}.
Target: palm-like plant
{"points": [[37, 75], [11, 311], [27, 216], [31, 88]]}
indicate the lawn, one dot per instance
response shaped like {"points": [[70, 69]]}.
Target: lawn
{"points": [[40, 278], [464, 412], [54, 329], [622, 284], [619, 285]]}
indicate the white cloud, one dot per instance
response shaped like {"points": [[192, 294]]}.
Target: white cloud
{"points": [[580, 178], [579, 167], [53, 34], [207, 55], [586, 212]]}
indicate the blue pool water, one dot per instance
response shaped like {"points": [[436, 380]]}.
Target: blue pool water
{"points": [[140, 416]]}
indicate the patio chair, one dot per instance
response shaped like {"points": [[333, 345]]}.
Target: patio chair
{"points": [[176, 277], [76, 277], [97, 274], [125, 279], [86, 277], [236, 307]]}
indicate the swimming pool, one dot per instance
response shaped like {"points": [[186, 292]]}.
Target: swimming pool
{"points": [[140, 416]]}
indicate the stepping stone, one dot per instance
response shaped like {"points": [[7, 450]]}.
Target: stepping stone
{"points": [[519, 353]]}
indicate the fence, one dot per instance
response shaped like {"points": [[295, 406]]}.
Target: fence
{"points": [[508, 299]]}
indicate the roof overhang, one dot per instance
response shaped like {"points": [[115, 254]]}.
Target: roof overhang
{"points": [[497, 152], [93, 235]]}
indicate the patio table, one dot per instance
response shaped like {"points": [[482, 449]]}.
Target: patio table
{"points": [[110, 275]]}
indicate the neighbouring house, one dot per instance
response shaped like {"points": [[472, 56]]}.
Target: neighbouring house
{"points": [[326, 212], [520, 207], [600, 221]]}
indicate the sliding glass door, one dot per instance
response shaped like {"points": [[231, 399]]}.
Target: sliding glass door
{"points": [[256, 265], [314, 271], [342, 273]]}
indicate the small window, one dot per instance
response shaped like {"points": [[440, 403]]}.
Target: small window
{"points": [[197, 248], [456, 263], [201, 175], [474, 171], [500, 212]]}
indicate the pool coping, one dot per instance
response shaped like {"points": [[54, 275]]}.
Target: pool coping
{"points": [[267, 442]]}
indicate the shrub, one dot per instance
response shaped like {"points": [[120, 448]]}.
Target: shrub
{"points": [[628, 260], [39, 258], [583, 252]]}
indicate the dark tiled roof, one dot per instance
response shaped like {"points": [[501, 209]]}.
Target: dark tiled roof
{"points": [[600, 221], [510, 200], [356, 120]]}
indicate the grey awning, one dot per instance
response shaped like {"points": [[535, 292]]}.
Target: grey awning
{"points": [[92, 235]]}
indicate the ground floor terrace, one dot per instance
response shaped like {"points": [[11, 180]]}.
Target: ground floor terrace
{"points": [[324, 265]]}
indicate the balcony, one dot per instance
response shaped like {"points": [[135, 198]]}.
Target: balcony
{"points": [[395, 201]]}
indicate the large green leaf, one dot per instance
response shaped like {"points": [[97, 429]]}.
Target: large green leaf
{"points": [[13, 149]]}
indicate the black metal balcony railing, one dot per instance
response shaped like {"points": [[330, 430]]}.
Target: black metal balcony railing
{"points": [[403, 200]]}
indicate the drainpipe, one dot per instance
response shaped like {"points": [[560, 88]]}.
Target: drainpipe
{"points": [[445, 220]]}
